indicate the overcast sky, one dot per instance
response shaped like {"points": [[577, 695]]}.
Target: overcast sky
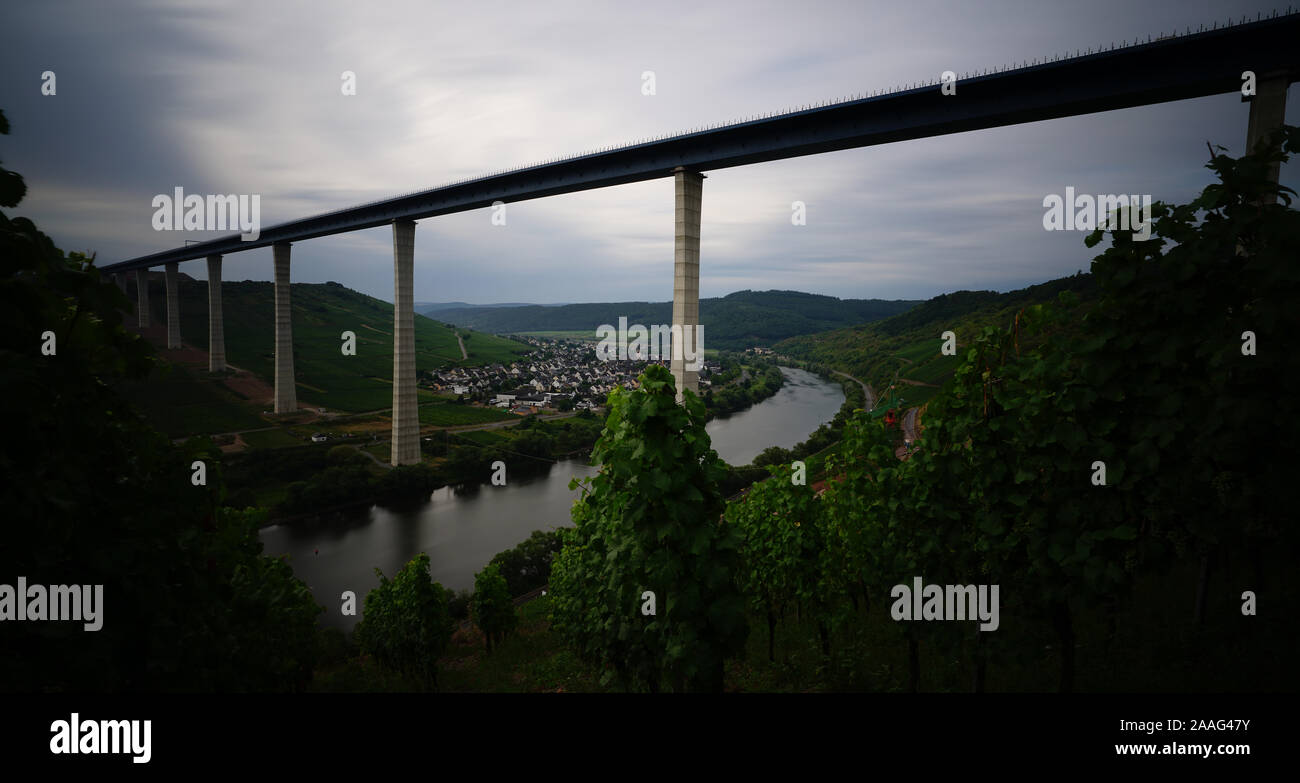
{"points": [[234, 97]]}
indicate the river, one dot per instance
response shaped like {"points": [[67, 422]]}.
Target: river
{"points": [[461, 529], [802, 404]]}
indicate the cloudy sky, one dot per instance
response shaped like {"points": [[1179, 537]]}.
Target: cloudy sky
{"points": [[235, 97]]}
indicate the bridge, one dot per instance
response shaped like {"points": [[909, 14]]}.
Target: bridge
{"points": [[1209, 61]]}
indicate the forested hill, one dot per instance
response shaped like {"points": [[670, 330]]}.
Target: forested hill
{"points": [[321, 313], [738, 320], [906, 346]]}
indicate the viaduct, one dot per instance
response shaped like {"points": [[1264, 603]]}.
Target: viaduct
{"points": [[1209, 61]]}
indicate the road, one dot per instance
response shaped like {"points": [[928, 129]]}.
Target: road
{"points": [[909, 433], [909, 424], [463, 353], [866, 390]]}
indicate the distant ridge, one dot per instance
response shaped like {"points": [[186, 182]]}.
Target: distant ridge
{"points": [[433, 307], [738, 320]]}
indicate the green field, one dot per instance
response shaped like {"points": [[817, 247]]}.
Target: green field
{"points": [[482, 437], [915, 395], [923, 361], [451, 415], [921, 350], [936, 370], [321, 313]]}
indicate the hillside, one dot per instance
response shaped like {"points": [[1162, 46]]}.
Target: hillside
{"points": [[906, 346], [736, 321], [427, 308], [321, 312]]}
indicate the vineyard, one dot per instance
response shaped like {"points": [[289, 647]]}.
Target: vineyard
{"points": [[1093, 468]]}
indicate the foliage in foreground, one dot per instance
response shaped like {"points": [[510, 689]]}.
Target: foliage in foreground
{"points": [[94, 496], [406, 624], [493, 609], [650, 522], [1154, 383]]}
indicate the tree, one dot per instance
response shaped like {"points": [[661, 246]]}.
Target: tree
{"points": [[650, 522], [406, 624], [493, 609], [406, 485], [94, 496], [773, 455], [528, 566]]}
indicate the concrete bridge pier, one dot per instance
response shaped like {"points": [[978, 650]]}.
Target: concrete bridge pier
{"points": [[286, 394], [689, 186], [173, 307], [216, 326], [406, 416], [142, 297], [1267, 112]]}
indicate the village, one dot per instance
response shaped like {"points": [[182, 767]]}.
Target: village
{"points": [[563, 374]]}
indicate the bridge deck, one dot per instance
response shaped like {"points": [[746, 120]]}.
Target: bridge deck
{"points": [[1168, 69]]}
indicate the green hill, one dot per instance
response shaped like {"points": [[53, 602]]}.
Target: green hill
{"points": [[907, 345], [736, 321], [321, 312]]}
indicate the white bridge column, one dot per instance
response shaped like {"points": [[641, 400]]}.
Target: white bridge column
{"points": [[406, 416], [216, 326], [173, 307], [286, 395], [686, 273], [142, 297], [1267, 111]]}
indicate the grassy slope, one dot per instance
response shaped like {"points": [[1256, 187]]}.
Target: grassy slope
{"points": [[320, 314], [178, 402], [907, 345]]}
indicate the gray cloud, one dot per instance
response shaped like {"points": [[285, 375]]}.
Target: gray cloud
{"points": [[244, 98]]}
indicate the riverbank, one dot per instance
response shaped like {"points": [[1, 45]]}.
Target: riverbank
{"points": [[300, 482], [803, 405], [754, 383]]}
